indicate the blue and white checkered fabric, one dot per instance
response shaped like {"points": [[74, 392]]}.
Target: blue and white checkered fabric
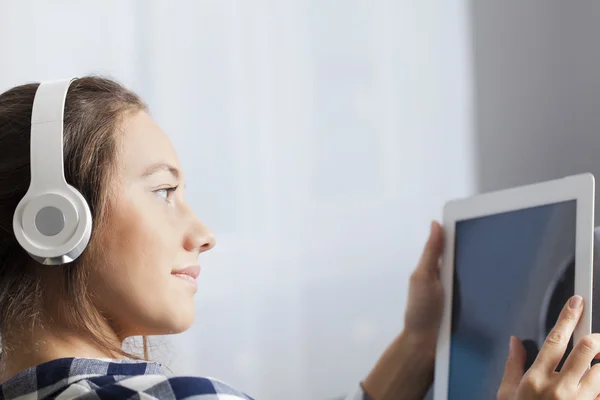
{"points": [[83, 378], [99, 379]]}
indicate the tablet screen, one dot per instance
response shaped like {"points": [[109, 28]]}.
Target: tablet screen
{"points": [[514, 271]]}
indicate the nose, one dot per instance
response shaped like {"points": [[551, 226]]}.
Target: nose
{"points": [[199, 237]]}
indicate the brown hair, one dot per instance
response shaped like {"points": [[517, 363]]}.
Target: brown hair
{"points": [[94, 111]]}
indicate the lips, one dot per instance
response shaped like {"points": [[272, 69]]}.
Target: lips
{"points": [[189, 273]]}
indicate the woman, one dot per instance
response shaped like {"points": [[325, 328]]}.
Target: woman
{"points": [[63, 327]]}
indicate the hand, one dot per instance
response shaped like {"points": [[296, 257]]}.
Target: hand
{"points": [[541, 381], [405, 370], [425, 293]]}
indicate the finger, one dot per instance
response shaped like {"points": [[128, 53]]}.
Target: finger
{"points": [[589, 387], [579, 360], [429, 262], [513, 369], [557, 340]]}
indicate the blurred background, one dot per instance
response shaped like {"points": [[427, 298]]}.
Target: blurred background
{"points": [[319, 138]]}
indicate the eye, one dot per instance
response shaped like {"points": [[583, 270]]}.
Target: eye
{"points": [[165, 193]]}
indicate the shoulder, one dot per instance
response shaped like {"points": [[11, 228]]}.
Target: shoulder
{"points": [[153, 386]]}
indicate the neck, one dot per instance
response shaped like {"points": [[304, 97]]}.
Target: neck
{"points": [[28, 347]]}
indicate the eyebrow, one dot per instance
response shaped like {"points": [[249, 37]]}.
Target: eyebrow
{"points": [[159, 167]]}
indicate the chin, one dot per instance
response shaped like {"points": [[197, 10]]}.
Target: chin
{"points": [[166, 315], [171, 326], [181, 320], [181, 326]]}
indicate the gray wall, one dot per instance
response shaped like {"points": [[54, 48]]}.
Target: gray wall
{"points": [[537, 90]]}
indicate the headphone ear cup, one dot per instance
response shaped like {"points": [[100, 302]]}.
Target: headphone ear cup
{"points": [[83, 233], [54, 228]]}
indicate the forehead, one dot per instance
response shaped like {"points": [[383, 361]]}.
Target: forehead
{"points": [[142, 144]]}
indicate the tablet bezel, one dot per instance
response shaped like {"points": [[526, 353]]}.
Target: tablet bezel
{"points": [[576, 187]]}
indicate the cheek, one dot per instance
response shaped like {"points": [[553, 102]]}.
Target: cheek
{"points": [[140, 245], [139, 255]]}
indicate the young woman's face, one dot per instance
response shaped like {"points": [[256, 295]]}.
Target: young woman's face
{"points": [[151, 240]]}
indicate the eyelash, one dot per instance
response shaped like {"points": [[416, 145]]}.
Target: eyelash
{"points": [[169, 190]]}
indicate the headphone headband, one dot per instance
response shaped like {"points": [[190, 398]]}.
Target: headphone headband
{"points": [[47, 116]]}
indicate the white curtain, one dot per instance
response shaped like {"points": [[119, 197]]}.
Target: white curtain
{"points": [[318, 137]]}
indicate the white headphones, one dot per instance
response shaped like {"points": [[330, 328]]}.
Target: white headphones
{"points": [[53, 222]]}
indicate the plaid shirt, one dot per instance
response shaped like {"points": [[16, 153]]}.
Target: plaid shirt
{"points": [[99, 379]]}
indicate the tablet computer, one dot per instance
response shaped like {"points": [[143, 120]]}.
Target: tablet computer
{"points": [[512, 258]]}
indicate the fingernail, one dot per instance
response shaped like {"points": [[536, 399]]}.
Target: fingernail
{"points": [[575, 302], [511, 345]]}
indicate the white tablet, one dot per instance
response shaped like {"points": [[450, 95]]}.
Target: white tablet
{"points": [[512, 259]]}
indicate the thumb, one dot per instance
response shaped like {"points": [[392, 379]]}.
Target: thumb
{"points": [[428, 264], [513, 370]]}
